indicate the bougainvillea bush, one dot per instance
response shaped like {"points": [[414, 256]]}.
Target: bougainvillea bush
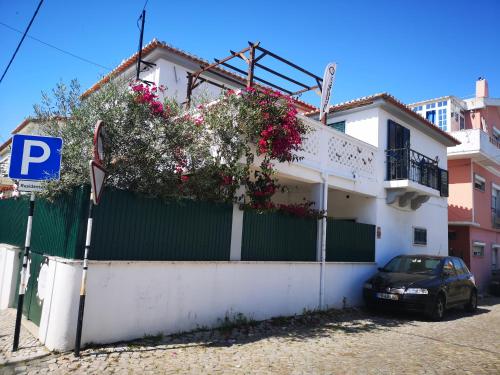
{"points": [[155, 146]]}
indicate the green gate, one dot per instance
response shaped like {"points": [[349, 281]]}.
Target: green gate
{"points": [[348, 241], [32, 306], [274, 236]]}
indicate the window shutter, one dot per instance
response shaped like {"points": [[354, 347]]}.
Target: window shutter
{"points": [[443, 182]]}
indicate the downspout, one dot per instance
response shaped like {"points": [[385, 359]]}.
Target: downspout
{"points": [[324, 205]]}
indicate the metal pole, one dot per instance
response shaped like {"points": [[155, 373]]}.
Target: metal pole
{"points": [[83, 286], [189, 90], [24, 274], [251, 63], [323, 244], [139, 58]]}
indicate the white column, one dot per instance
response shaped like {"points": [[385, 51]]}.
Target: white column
{"points": [[236, 233], [60, 304], [9, 271], [318, 197]]}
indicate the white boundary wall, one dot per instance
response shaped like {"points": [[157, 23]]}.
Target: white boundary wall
{"points": [[126, 300], [9, 266]]}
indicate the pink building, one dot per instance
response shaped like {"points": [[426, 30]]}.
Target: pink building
{"points": [[474, 176]]}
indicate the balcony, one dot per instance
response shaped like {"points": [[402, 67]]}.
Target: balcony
{"points": [[477, 145], [349, 162], [412, 178]]}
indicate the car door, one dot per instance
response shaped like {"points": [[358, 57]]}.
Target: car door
{"points": [[450, 282], [463, 290]]}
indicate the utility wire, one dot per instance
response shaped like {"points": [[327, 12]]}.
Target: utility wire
{"points": [[21, 41], [57, 48]]}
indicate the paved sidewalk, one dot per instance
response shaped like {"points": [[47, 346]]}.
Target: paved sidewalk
{"points": [[336, 342], [29, 347]]}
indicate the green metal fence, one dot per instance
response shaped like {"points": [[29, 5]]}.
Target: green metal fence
{"points": [[13, 221], [347, 241], [126, 227], [274, 236], [59, 226], [133, 227]]}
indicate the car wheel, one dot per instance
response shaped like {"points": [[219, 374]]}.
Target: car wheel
{"points": [[438, 308], [471, 306]]}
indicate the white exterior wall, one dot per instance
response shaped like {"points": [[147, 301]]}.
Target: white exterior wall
{"points": [[174, 78], [9, 267], [396, 223], [127, 300]]}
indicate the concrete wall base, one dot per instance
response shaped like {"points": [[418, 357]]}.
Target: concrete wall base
{"points": [[9, 269], [128, 300]]}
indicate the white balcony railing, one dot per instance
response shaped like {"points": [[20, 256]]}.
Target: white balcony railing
{"points": [[474, 142], [329, 150]]}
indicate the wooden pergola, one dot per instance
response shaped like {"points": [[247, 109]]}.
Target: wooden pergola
{"points": [[253, 56]]}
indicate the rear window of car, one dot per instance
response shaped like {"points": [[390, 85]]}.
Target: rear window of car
{"points": [[458, 266], [464, 266]]}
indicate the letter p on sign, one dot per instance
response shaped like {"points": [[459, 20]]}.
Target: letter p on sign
{"points": [[35, 157]]}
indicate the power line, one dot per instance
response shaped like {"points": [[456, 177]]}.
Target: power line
{"points": [[57, 48], [21, 41]]}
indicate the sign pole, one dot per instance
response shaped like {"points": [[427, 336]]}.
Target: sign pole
{"points": [[24, 274], [83, 286]]}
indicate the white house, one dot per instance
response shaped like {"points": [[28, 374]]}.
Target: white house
{"points": [[376, 162]]}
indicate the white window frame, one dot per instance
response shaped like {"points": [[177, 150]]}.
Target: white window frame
{"points": [[478, 244], [494, 256], [480, 179]]}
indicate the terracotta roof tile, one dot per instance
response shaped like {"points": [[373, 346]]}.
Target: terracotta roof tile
{"points": [[367, 100], [148, 48]]}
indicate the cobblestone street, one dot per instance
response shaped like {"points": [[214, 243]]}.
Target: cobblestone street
{"points": [[337, 342]]}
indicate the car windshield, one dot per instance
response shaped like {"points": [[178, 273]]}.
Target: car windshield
{"points": [[408, 264]]}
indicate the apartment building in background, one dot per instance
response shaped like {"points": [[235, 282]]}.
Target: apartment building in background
{"points": [[474, 176]]}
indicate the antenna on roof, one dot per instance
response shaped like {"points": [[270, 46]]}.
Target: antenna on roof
{"points": [[140, 61]]}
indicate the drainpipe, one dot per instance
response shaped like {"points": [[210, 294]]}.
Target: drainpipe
{"points": [[324, 205]]}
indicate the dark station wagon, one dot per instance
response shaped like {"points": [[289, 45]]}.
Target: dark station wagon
{"points": [[422, 283]]}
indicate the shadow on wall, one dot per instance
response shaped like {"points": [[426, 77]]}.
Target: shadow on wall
{"points": [[459, 213]]}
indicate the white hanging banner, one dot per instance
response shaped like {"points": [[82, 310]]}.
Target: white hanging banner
{"points": [[326, 90]]}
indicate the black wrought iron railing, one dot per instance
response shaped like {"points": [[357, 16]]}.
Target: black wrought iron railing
{"points": [[408, 164]]}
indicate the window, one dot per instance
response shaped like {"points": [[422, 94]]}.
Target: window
{"points": [[431, 116], [458, 266], [340, 126], [442, 104], [464, 266], [417, 108], [494, 257], [431, 105], [462, 122], [479, 182], [495, 209], [442, 120], [419, 236], [448, 266], [478, 249]]}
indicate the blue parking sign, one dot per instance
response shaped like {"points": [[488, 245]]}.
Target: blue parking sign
{"points": [[34, 157]]}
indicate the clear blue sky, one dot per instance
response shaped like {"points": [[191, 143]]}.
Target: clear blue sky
{"points": [[412, 49]]}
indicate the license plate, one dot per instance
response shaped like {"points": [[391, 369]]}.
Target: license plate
{"points": [[387, 296]]}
